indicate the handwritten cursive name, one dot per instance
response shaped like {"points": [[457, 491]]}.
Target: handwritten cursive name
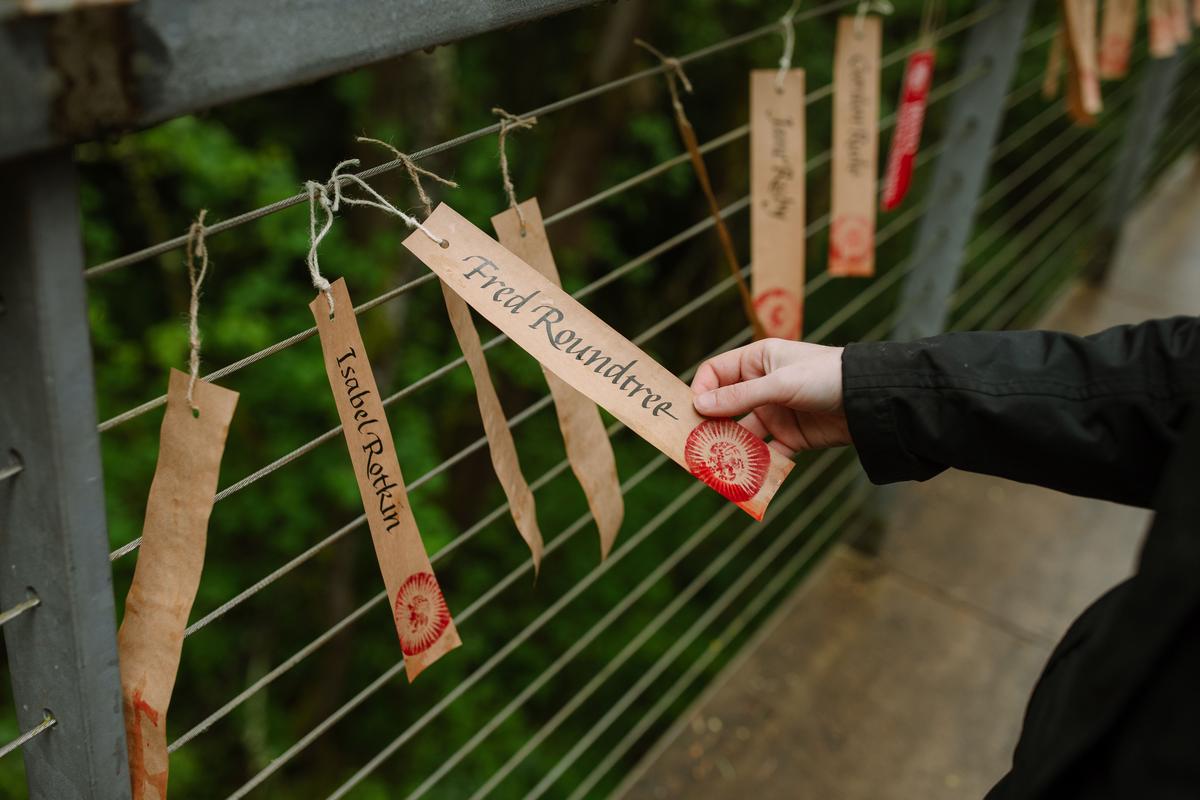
{"points": [[779, 197], [372, 443], [553, 322]]}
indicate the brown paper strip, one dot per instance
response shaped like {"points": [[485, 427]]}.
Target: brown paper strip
{"points": [[578, 347], [777, 200], [168, 571], [589, 449], [495, 426], [1180, 22], [855, 147], [1054, 65], [1083, 83], [422, 619], [1117, 28], [1163, 41]]}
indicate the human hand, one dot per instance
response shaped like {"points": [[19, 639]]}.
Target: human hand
{"points": [[791, 391]]}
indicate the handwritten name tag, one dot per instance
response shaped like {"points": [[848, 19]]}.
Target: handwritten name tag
{"points": [[777, 200], [167, 575], [910, 118], [1083, 82], [855, 164], [589, 449], [585, 352], [1116, 37], [419, 610]]}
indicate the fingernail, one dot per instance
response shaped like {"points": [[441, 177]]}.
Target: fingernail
{"points": [[706, 402]]}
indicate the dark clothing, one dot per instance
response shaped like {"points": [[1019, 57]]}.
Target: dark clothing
{"points": [[1116, 712]]}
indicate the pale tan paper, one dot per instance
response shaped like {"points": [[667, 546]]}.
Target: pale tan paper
{"points": [[1163, 41], [581, 349], [1083, 83], [1180, 22], [168, 571], [777, 220], [495, 426], [1054, 65], [1117, 28], [855, 165], [589, 450], [422, 618]]}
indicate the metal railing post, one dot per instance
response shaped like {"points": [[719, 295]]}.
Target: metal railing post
{"points": [[62, 652], [1157, 87], [975, 116]]}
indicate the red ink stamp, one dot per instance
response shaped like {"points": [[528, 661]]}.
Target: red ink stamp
{"points": [[1114, 55], [851, 240], [728, 458], [779, 312], [421, 613]]}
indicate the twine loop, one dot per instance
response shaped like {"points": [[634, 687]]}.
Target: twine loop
{"points": [[674, 71], [883, 7], [196, 249], [319, 195], [414, 173], [511, 122], [788, 28]]}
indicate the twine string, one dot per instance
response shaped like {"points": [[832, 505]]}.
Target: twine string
{"points": [[511, 122], [674, 72], [196, 249], [318, 195], [883, 7], [414, 172], [788, 28]]}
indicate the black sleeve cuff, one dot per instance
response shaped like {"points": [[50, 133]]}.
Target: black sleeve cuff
{"points": [[870, 416]]}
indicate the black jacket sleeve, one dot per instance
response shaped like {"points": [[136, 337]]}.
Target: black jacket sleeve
{"points": [[1094, 416]]}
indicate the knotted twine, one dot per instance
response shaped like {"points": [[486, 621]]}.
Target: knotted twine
{"points": [[870, 6], [318, 194], [511, 122], [196, 249], [787, 24], [674, 71]]}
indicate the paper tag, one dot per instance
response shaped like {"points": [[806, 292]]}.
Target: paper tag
{"points": [[1083, 83], [1117, 27], [578, 347], [1163, 41], [906, 141], [589, 449], [168, 571], [855, 147], [1054, 65], [1180, 22], [418, 607], [501, 446], [777, 216]]}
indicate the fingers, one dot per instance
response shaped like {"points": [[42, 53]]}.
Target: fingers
{"points": [[740, 398], [732, 366]]}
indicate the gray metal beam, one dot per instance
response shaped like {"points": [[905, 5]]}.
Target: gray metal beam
{"points": [[53, 537], [975, 115], [76, 75], [1157, 87]]}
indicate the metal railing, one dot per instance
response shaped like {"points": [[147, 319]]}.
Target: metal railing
{"points": [[1034, 223]]}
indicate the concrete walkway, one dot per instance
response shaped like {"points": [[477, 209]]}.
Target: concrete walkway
{"points": [[906, 676]]}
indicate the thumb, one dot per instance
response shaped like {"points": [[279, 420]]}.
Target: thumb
{"points": [[739, 398]]}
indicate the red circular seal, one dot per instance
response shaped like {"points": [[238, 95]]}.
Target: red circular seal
{"points": [[851, 239], [728, 458], [779, 312], [1114, 54], [421, 613]]}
